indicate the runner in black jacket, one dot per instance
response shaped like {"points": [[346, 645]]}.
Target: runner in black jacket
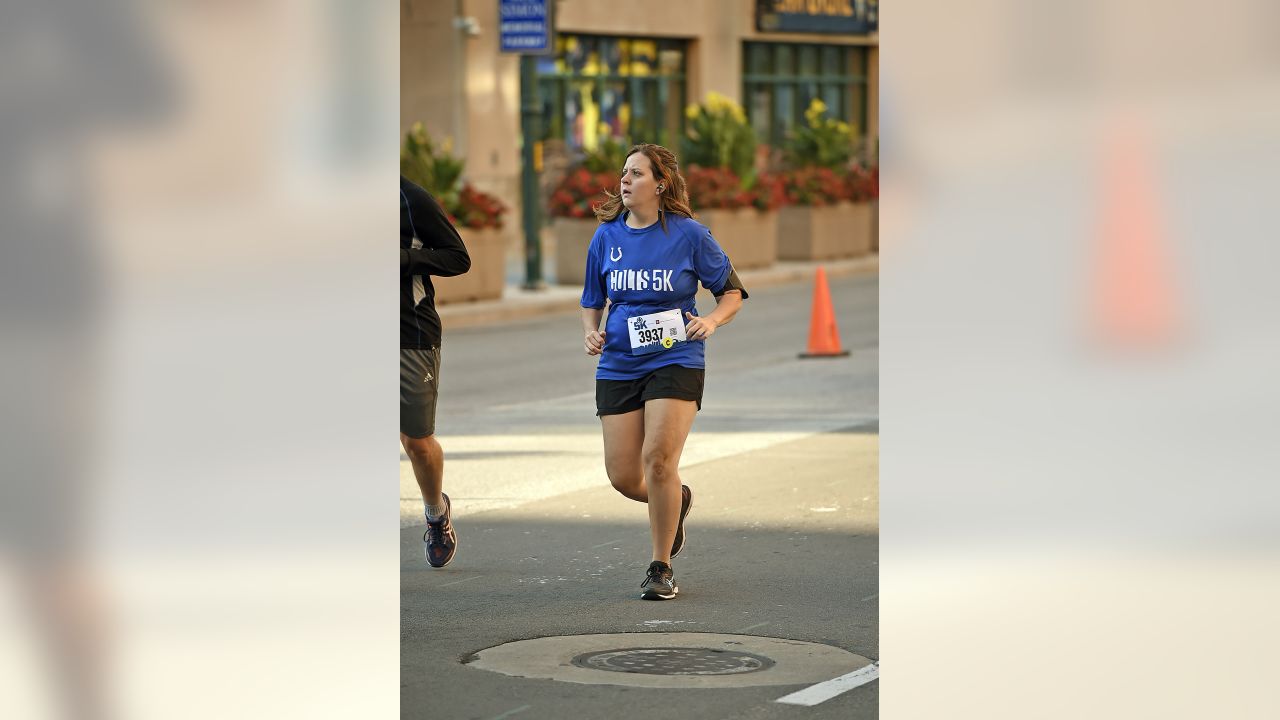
{"points": [[429, 245]]}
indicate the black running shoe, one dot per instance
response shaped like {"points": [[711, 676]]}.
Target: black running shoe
{"points": [[440, 541], [659, 583], [686, 502]]}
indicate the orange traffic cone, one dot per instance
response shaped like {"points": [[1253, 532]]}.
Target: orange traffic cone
{"points": [[1134, 296], [824, 338]]}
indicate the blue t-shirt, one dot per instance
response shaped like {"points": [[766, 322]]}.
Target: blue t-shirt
{"points": [[647, 271]]}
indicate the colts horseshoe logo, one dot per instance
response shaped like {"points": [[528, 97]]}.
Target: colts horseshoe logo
{"points": [[617, 257]]}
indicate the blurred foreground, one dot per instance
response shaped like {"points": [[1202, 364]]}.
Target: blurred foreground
{"points": [[1077, 355]]}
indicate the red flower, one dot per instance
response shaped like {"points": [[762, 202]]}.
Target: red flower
{"points": [[476, 209], [768, 193], [579, 192], [863, 184], [823, 186], [713, 188]]}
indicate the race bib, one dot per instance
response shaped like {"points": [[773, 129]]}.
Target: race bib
{"points": [[656, 332]]}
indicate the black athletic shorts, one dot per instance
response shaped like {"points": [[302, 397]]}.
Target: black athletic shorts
{"points": [[614, 397], [419, 386]]}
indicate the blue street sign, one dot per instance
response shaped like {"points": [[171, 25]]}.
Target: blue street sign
{"points": [[525, 26]]}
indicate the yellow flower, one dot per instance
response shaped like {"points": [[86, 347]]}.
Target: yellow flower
{"points": [[815, 111], [691, 112]]}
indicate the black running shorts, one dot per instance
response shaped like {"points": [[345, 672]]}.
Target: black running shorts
{"points": [[419, 386], [614, 397]]}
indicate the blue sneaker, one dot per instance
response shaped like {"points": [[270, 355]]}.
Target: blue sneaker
{"points": [[440, 541]]}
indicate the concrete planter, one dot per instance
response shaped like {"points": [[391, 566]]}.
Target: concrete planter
{"points": [[860, 240], [573, 236], [748, 236], [485, 279], [808, 233], [824, 233]]}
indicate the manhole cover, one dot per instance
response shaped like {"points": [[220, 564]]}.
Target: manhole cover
{"points": [[668, 660], [674, 661]]}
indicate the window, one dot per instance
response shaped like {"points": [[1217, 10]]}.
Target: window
{"points": [[782, 78], [625, 89]]}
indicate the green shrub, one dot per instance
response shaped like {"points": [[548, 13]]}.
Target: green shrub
{"points": [[608, 157], [718, 136], [437, 171], [431, 165], [821, 142]]}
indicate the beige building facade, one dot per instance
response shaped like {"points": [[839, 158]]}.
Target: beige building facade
{"points": [[454, 79]]}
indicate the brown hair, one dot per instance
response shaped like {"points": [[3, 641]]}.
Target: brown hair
{"points": [[666, 170]]}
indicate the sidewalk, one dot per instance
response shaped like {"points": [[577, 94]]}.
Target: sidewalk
{"points": [[517, 303]]}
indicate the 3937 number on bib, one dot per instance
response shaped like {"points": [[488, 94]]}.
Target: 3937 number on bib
{"points": [[655, 332]]}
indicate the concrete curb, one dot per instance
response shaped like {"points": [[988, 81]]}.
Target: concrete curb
{"points": [[519, 304]]}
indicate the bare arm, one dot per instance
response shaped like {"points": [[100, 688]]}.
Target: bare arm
{"points": [[594, 340], [727, 306]]}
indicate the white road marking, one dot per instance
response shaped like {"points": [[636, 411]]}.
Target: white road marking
{"points": [[753, 627], [603, 544], [509, 713], [656, 623], [824, 691], [455, 582]]}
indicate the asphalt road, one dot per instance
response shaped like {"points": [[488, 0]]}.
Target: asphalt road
{"points": [[782, 540]]}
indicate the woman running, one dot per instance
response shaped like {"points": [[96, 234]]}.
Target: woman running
{"points": [[647, 258]]}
